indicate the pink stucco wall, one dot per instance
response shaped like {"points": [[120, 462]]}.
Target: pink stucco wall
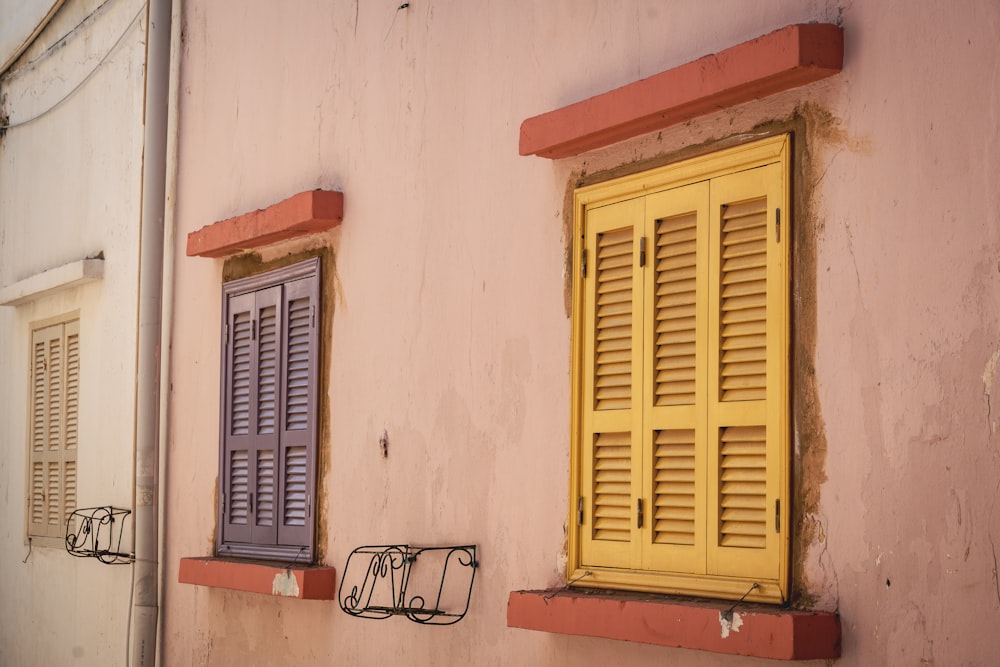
{"points": [[451, 332]]}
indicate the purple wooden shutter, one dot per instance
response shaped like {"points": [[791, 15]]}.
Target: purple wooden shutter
{"points": [[264, 426], [299, 411], [236, 453]]}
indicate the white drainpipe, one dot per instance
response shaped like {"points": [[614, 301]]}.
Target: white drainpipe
{"points": [[145, 590]]}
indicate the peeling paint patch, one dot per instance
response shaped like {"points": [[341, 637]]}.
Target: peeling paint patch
{"points": [[285, 584], [729, 621]]}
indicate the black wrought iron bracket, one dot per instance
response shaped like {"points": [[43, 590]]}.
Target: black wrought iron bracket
{"points": [[96, 532], [390, 583]]}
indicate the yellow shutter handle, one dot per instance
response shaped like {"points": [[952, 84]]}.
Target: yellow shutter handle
{"points": [[639, 513]]}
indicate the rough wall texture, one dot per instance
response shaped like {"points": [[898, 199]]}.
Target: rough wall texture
{"points": [[451, 333]]}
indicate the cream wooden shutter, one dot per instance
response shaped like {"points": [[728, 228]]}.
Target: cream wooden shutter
{"points": [[55, 397], [748, 320], [611, 454]]}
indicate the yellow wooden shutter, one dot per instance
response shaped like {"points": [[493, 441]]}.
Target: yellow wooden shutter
{"points": [[611, 455], [680, 378], [674, 432], [747, 390]]}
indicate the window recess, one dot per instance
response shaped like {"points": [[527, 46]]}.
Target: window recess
{"points": [[270, 344], [680, 380]]}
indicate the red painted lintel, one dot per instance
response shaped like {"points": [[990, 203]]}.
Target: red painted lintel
{"points": [[305, 213], [757, 630], [310, 582], [787, 58]]}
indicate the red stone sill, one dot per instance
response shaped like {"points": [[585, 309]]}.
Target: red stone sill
{"points": [[298, 581], [784, 59], [299, 215], [757, 630]]}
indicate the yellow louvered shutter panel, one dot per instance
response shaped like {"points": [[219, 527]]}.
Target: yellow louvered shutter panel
{"points": [[748, 351], [675, 316], [681, 378], [611, 453]]}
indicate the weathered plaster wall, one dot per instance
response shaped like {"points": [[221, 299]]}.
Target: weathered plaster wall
{"points": [[69, 188], [451, 332]]}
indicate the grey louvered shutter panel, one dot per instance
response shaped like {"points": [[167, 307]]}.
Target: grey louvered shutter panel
{"points": [[265, 403], [299, 411], [238, 402]]}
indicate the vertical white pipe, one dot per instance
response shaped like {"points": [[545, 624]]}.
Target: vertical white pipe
{"points": [[167, 309], [146, 585]]}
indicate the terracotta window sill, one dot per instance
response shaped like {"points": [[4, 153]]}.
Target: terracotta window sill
{"points": [[297, 581], [753, 630], [784, 59], [299, 215]]}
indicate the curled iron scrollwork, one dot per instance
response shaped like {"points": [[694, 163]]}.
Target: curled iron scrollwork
{"points": [[435, 593], [96, 532]]}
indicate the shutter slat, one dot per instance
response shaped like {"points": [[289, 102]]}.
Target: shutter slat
{"points": [[743, 487], [613, 321], [240, 374], [743, 301], [298, 359], [674, 487], [53, 488], [69, 490], [675, 312], [264, 505], [612, 492], [38, 398], [239, 487], [37, 495], [267, 370], [55, 394], [72, 389], [295, 486]]}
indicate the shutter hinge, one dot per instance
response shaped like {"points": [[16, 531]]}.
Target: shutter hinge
{"points": [[777, 515], [253, 330], [223, 502], [777, 225], [227, 334], [583, 263], [642, 251], [579, 511], [638, 513], [313, 317]]}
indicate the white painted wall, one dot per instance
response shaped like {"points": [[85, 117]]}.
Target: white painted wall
{"points": [[69, 188]]}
